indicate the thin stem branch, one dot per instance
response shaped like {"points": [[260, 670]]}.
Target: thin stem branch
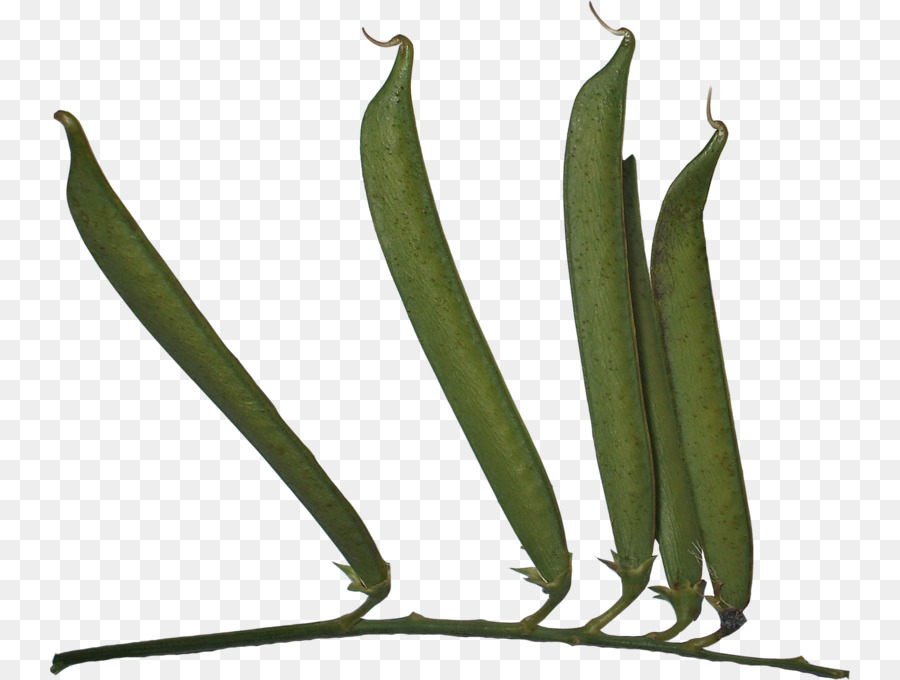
{"points": [[416, 624]]}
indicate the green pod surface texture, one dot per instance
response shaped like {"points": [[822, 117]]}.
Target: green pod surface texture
{"points": [[598, 271], [150, 289], [677, 530], [684, 301], [409, 230]]}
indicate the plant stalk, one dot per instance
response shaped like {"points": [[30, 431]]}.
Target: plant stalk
{"points": [[416, 624]]}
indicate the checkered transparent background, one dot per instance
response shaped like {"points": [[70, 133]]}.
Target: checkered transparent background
{"points": [[133, 510]]}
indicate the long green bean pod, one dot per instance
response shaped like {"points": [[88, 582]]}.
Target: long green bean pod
{"points": [[677, 530], [598, 272], [684, 301], [409, 230], [150, 289]]}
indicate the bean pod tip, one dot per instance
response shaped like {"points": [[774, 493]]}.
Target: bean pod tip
{"points": [[398, 39], [622, 31], [716, 124], [69, 122]]}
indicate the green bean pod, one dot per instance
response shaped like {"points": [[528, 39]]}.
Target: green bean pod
{"points": [[684, 301], [598, 272], [409, 230], [150, 289], [677, 530]]}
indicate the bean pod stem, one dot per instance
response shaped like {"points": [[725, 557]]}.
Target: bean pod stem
{"points": [[151, 290], [416, 624]]}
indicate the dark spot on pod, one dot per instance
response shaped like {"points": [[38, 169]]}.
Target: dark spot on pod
{"points": [[731, 620]]}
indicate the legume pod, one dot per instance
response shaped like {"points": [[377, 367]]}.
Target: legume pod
{"points": [[598, 271], [418, 256], [150, 289], [677, 531], [684, 301]]}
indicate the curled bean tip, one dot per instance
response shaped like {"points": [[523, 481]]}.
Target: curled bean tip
{"points": [[614, 31], [717, 124], [393, 42], [67, 119]]}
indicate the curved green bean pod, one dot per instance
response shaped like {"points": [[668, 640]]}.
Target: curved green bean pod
{"points": [[598, 271], [409, 230], [677, 531], [150, 289], [684, 301]]}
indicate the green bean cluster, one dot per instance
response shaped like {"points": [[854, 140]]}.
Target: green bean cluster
{"points": [[654, 374], [648, 339]]}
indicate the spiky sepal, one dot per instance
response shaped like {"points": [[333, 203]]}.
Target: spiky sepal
{"points": [[556, 591], [374, 594], [533, 576], [634, 580], [686, 600], [357, 585]]}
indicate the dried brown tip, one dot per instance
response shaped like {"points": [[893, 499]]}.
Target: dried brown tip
{"points": [[717, 124], [393, 42], [614, 31]]}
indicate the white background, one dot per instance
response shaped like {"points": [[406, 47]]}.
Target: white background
{"points": [[131, 509]]}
